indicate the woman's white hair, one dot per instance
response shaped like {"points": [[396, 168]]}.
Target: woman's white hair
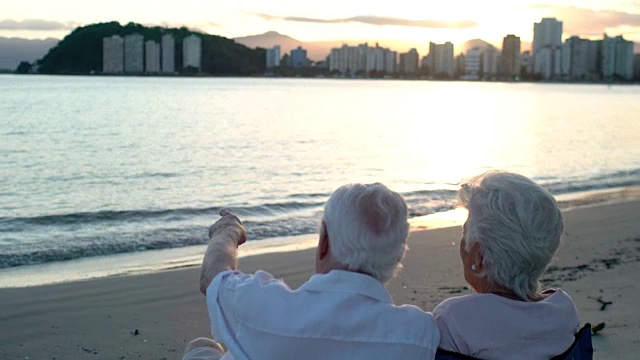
{"points": [[367, 228], [518, 225]]}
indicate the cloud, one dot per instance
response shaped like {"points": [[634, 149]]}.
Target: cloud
{"points": [[587, 22], [35, 25], [378, 21]]}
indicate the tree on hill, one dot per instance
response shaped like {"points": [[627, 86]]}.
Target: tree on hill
{"points": [[81, 51], [23, 68], [226, 57]]}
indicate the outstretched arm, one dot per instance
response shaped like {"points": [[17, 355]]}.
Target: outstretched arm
{"points": [[225, 236]]}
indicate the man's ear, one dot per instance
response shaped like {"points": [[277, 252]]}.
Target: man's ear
{"points": [[323, 242]]}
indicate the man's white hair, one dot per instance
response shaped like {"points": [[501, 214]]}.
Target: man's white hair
{"points": [[518, 225], [367, 228]]}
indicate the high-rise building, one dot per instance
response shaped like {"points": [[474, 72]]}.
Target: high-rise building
{"points": [[192, 52], [594, 59], [547, 48], [472, 64], [113, 55], [409, 62], [168, 54], [134, 54], [390, 61], [299, 58], [548, 32], [441, 59], [548, 62], [273, 57], [334, 59], [525, 62], [152, 57], [510, 57], [350, 60], [375, 59], [624, 58], [565, 68], [617, 58], [490, 61], [580, 59], [459, 69], [636, 66]]}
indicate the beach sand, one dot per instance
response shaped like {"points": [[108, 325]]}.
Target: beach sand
{"points": [[153, 316]]}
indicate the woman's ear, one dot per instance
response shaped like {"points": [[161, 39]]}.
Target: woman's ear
{"points": [[323, 242], [475, 254]]}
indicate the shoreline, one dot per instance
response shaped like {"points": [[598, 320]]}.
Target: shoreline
{"points": [[632, 82], [598, 259], [154, 261]]}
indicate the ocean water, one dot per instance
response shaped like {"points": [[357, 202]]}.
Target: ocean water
{"points": [[95, 166]]}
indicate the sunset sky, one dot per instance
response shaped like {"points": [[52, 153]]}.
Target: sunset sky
{"points": [[404, 21]]}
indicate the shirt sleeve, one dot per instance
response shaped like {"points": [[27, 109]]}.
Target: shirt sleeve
{"points": [[447, 325], [227, 297]]}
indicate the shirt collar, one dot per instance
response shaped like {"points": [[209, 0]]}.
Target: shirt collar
{"points": [[341, 281]]}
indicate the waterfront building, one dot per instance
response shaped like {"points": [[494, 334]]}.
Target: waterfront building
{"points": [[525, 62], [459, 70], [350, 60], [336, 59], [390, 61], [472, 64], [490, 61], [152, 57], [594, 59], [375, 59], [547, 62], [113, 55], [566, 56], [168, 54], [192, 52], [409, 62], [299, 58], [424, 63], [617, 58], [273, 57], [441, 59], [134, 54], [580, 59], [510, 57], [547, 48]]}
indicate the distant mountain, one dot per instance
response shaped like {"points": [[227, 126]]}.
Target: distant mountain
{"points": [[15, 50], [473, 43], [268, 40], [81, 51], [481, 44], [316, 50]]}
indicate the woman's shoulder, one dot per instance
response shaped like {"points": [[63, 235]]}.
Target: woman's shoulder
{"points": [[482, 302], [557, 297], [456, 303]]}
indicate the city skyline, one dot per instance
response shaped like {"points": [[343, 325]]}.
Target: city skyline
{"points": [[400, 25]]}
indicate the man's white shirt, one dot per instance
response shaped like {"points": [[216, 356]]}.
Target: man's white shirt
{"points": [[339, 315]]}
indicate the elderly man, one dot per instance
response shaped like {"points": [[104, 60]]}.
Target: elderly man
{"points": [[342, 312]]}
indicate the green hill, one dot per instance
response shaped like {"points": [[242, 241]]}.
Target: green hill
{"points": [[81, 51]]}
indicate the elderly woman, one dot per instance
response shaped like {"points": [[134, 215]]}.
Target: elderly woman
{"points": [[511, 234]]}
